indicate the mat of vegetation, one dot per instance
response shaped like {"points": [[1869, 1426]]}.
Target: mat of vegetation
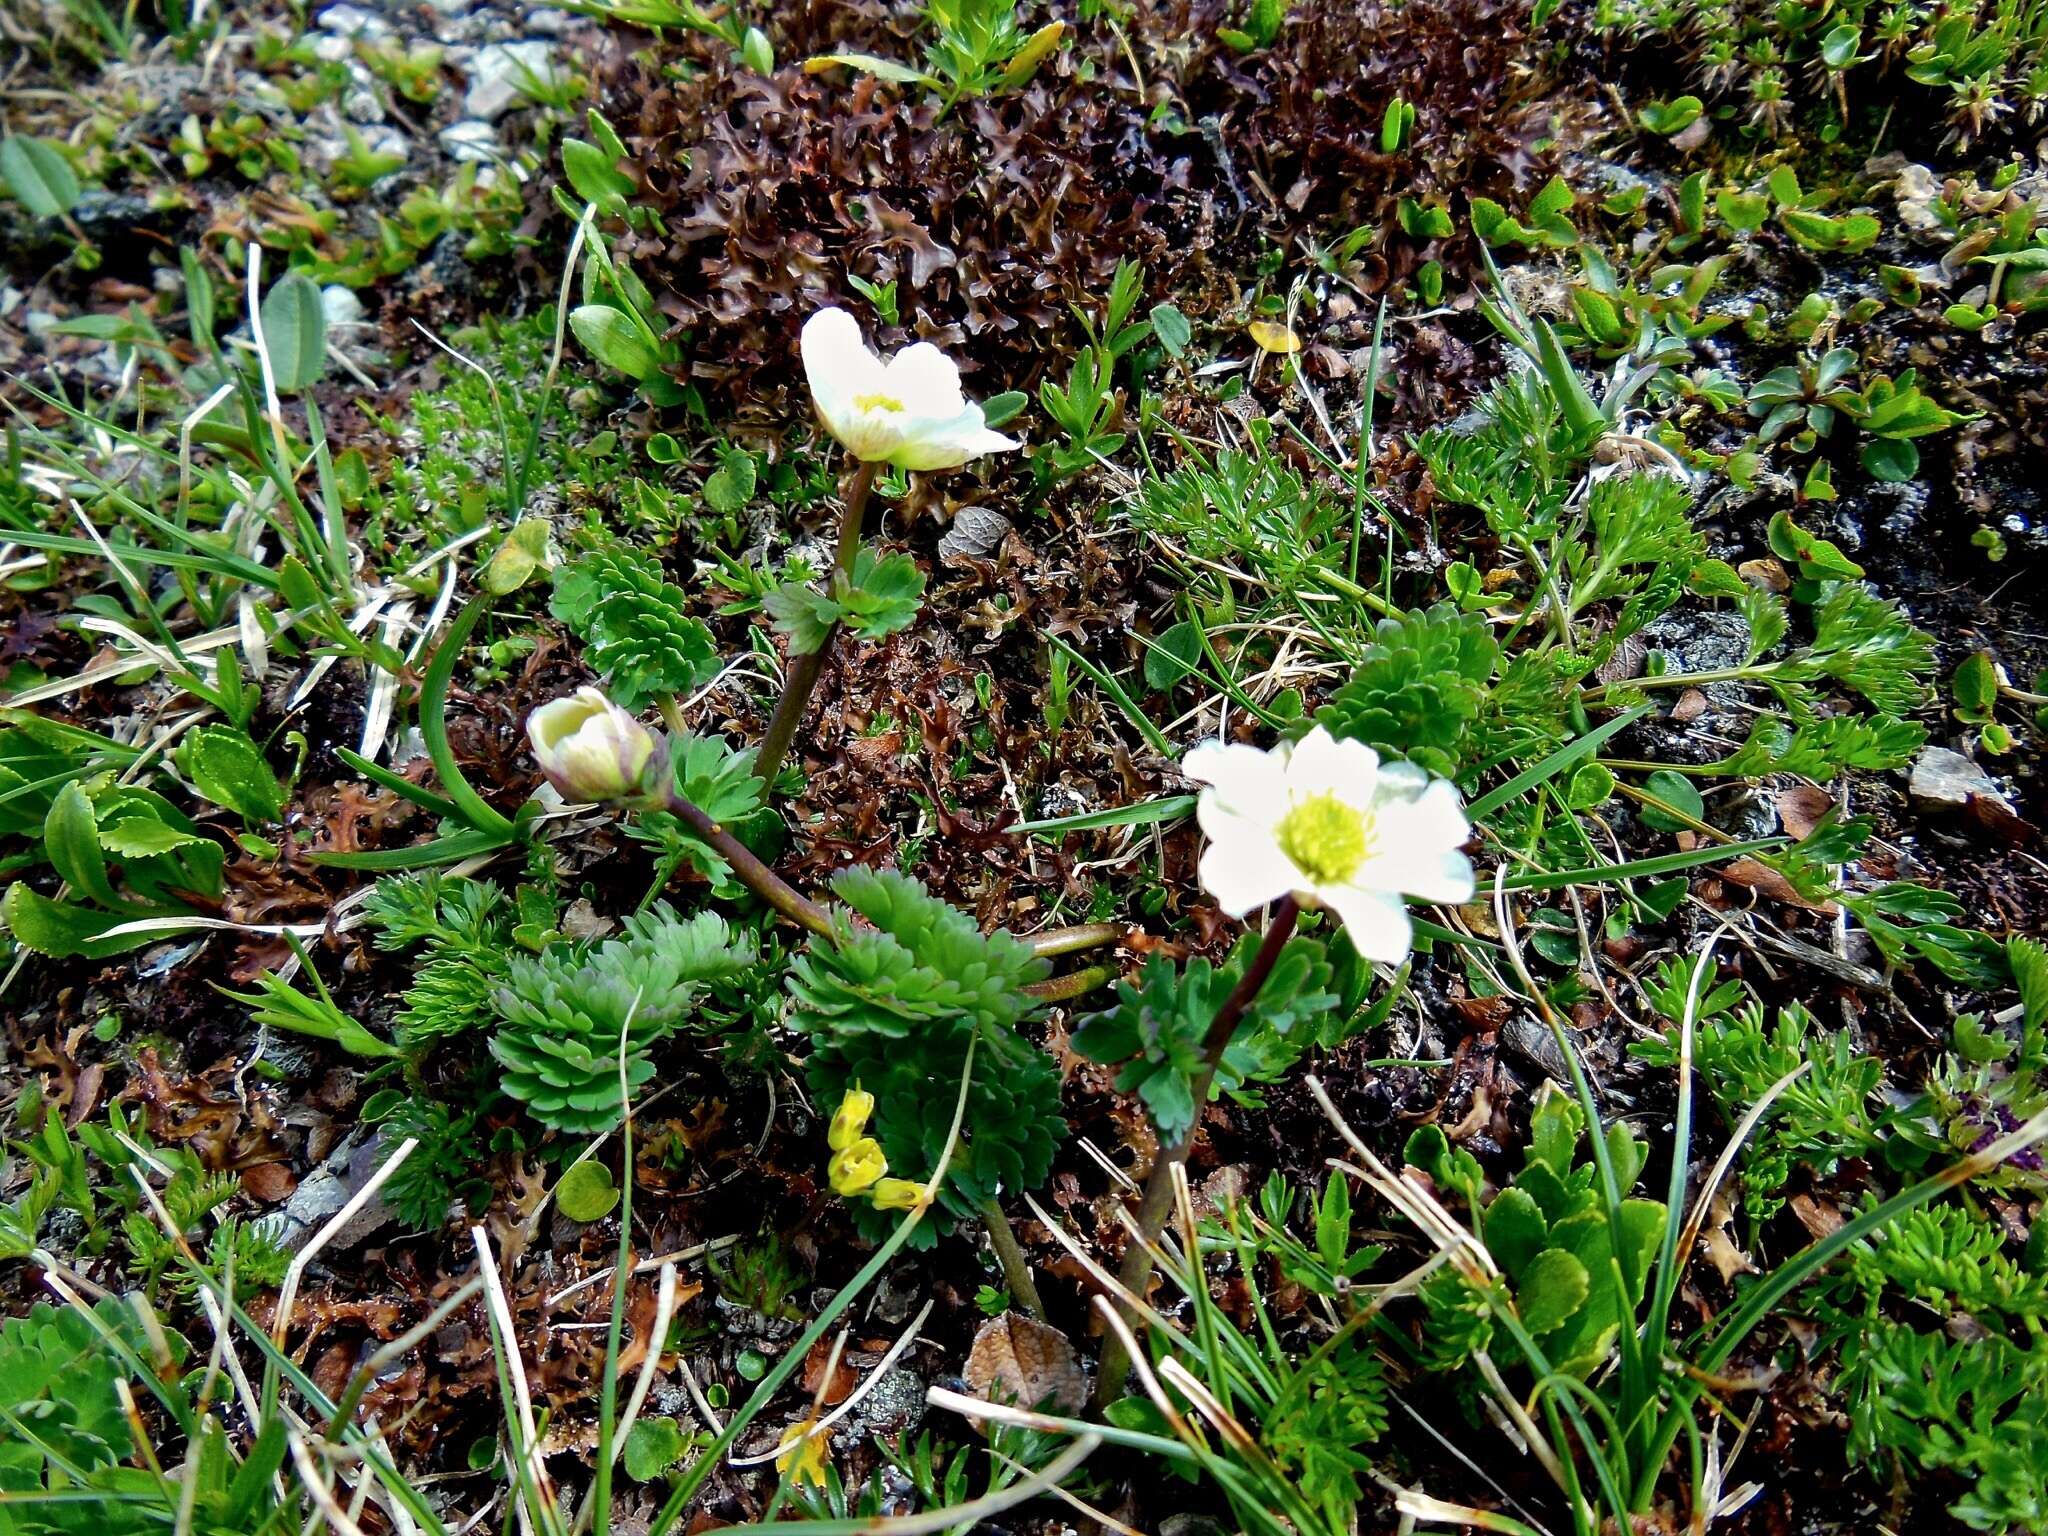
{"points": [[1046, 766]]}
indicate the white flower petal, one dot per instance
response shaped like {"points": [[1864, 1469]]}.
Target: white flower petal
{"points": [[838, 366], [947, 444], [872, 435], [1323, 765], [1403, 780], [1243, 781], [1376, 922], [925, 381], [1415, 847], [1243, 868]]}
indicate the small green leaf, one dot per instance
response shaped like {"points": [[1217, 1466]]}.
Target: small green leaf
{"points": [[1976, 688], [1676, 791], [1817, 558], [883, 595], [63, 929], [1838, 48], [593, 173], [227, 767], [143, 837], [1741, 211], [71, 842], [1172, 329], [295, 333], [1592, 784], [731, 486], [1671, 117], [38, 175], [653, 1445], [1893, 460], [1424, 221], [526, 550], [586, 1192], [998, 409], [610, 336], [1172, 656], [1553, 1287]]}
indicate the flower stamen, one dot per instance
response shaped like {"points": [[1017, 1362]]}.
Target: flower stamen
{"points": [[1325, 838]]}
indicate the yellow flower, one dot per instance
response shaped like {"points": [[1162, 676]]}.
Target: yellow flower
{"points": [[1273, 337], [851, 1122], [897, 1194], [802, 1455], [855, 1166]]}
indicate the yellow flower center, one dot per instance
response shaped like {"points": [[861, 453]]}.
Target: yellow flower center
{"points": [[1325, 838], [877, 403]]}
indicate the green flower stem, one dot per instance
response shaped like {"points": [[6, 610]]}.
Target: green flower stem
{"points": [[1064, 989], [805, 669], [1598, 698], [1158, 1198], [1065, 941], [806, 913], [1010, 1255], [712, 1457], [758, 877]]}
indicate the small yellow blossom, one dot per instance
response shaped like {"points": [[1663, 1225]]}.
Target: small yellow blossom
{"points": [[851, 1121], [855, 1166], [897, 1194], [801, 1458], [1273, 337]]}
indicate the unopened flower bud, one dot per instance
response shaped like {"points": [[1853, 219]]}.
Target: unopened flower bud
{"points": [[897, 1194], [851, 1121], [590, 749]]}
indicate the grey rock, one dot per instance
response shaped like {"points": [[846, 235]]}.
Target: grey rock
{"points": [[1525, 1036], [1944, 780], [976, 532], [322, 1193], [472, 141], [895, 1404], [352, 21], [499, 75], [1699, 642], [107, 215]]}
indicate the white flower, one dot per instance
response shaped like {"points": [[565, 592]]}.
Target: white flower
{"points": [[589, 748], [1328, 822], [908, 411]]}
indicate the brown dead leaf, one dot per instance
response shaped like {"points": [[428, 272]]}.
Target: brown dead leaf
{"points": [[268, 1183], [1016, 1359], [1728, 1260], [1766, 573], [1801, 808], [844, 1377], [1766, 881], [1819, 1217]]}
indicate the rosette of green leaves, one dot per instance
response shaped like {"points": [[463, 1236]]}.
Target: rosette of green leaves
{"points": [[721, 782], [1550, 1233], [894, 1005], [1419, 688], [636, 625], [1158, 1026], [574, 1024]]}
